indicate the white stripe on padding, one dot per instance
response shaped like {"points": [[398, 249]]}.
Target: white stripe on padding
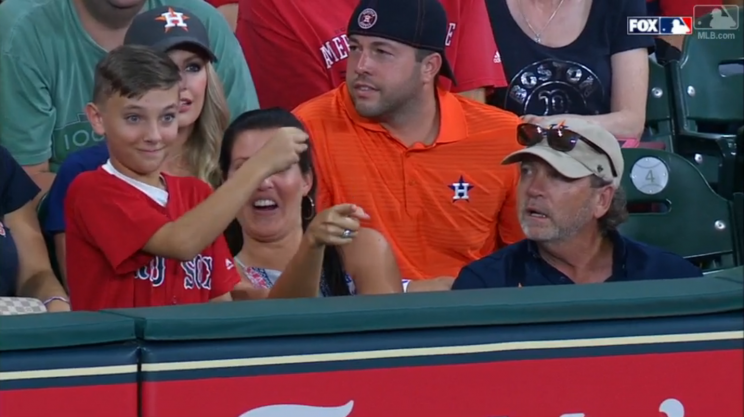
{"points": [[444, 350]]}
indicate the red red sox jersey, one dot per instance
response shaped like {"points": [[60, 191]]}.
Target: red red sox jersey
{"points": [[109, 221], [297, 49]]}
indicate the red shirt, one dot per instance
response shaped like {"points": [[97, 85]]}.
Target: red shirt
{"points": [[297, 49], [109, 221]]}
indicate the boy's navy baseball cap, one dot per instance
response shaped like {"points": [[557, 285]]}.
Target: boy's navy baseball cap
{"points": [[421, 24], [167, 27]]}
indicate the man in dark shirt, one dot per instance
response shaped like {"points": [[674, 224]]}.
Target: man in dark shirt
{"points": [[570, 204]]}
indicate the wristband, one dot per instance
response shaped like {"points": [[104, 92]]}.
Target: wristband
{"points": [[405, 284], [56, 298]]}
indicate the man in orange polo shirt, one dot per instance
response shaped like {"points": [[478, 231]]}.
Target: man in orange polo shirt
{"points": [[423, 162]]}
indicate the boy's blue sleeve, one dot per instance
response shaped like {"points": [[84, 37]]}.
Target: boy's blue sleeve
{"points": [[55, 201]]}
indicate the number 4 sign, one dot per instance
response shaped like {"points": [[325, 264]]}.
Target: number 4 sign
{"points": [[649, 175]]}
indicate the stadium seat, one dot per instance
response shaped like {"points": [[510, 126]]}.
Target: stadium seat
{"points": [[738, 208], [697, 222], [659, 126], [707, 102], [739, 162]]}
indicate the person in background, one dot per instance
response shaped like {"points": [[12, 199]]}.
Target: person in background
{"points": [[570, 205], [298, 49], [229, 9], [419, 159], [280, 231], [25, 270], [573, 57], [48, 52], [203, 116], [136, 236]]}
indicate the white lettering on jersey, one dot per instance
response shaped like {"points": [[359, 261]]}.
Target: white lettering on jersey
{"points": [[335, 50], [153, 272], [450, 34], [198, 273]]}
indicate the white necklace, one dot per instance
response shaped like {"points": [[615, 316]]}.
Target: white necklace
{"points": [[538, 35]]}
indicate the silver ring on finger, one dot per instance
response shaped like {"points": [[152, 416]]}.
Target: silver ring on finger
{"points": [[346, 234]]}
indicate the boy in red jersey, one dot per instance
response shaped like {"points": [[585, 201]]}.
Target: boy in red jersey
{"points": [[136, 236]]}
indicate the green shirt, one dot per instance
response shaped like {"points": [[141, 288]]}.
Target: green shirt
{"points": [[47, 62]]}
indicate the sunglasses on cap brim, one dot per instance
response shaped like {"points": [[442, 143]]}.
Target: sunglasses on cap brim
{"points": [[558, 138]]}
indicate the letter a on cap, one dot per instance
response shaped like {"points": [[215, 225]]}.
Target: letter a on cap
{"points": [[367, 19]]}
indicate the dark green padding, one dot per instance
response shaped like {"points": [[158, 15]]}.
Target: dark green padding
{"points": [[436, 310], [59, 330]]}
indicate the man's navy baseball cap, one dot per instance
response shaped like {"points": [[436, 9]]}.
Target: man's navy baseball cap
{"points": [[421, 24], [165, 28]]}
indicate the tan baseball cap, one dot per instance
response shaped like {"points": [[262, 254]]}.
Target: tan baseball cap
{"points": [[583, 160]]}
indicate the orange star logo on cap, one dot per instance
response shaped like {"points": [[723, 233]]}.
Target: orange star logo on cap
{"points": [[173, 19]]}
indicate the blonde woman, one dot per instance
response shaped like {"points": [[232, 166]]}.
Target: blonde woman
{"points": [[203, 116]]}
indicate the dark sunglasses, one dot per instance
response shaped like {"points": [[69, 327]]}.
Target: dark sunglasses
{"points": [[558, 138]]}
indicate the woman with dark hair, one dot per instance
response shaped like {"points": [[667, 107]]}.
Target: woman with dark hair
{"points": [[279, 234]]}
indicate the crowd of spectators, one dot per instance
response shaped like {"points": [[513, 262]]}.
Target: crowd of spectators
{"points": [[179, 151]]}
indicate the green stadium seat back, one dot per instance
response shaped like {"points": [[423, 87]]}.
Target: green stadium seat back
{"points": [[708, 102], [738, 210], [739, 162], [658, 106], [697, 223], [706, 95]]}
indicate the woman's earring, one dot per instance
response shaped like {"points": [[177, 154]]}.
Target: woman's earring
{"points": [[312, 208]]}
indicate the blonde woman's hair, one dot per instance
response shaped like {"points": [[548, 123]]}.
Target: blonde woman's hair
{"points": [[202, 149]]}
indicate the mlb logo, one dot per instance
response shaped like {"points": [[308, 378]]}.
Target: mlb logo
{"points": [[716, 17], [659, 25], [676, 25], [643, 25]]}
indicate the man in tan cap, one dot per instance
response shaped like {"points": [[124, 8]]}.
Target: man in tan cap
{"points": [[570, 205]]}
